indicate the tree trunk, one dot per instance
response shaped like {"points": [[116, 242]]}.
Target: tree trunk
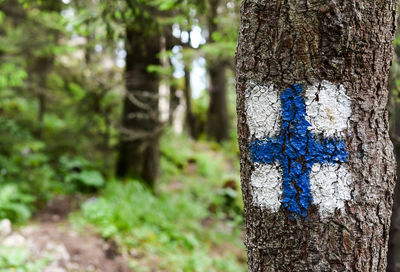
{"points": [[393, 255], [41, 69], [394, 239], [44, 64], [139, 151], [217, 118], [317, 163], [394, 116], [190, 119]]}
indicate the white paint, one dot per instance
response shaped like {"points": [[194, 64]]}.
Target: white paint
{"points": [[330, 187], [266, 182], [263, 110], [328, 109]]}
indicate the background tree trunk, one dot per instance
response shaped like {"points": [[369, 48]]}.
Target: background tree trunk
{"points": [[190, 119], [217, 117], [349, 44], [394, 239], [139, 151], [43, 66], [41, 69]]}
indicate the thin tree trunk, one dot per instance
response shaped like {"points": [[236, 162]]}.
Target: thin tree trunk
{"points": [[317, 163], [39, 67], [44, 64], [139, 151], [42, 68], [217, 119], [174, 100], [164, 86], [174, 103], [42, 111], [190, 119]]}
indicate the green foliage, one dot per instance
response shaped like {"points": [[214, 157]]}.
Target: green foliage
{"points": [[60, 105], [14, 204], [168, 226], [190, 218], [17, 259], [20, 188], [79, 174], [37, 64], [11, 75], [159, 70], [91, 178], [164, 215], [202, 166]]}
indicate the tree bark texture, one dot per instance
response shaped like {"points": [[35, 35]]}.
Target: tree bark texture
{"points": [[322, 47], [139, 150]]}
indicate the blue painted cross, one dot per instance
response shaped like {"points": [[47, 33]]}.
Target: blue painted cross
{"points": [[297, 149]]}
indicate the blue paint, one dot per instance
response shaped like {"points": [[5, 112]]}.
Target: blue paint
{"points": [[297, 149]]}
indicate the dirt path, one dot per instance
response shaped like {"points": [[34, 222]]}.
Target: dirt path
{"points": [[50, 237]]}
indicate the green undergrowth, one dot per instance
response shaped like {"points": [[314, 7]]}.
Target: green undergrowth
{"points": [[31, 175], [17, 259], [192, 223]]}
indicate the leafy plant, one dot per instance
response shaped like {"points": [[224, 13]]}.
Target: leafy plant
{"points": [[79, 173], [14, 204], [17, 259], [193, 213]]}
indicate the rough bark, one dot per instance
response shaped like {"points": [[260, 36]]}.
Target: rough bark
{"points": [[138, 150], [344, 42]]}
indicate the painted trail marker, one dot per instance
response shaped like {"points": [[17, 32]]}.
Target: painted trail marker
{"points": [[296, 146]]}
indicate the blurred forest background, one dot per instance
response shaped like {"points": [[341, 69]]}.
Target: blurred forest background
{"points": [[118, 136], [118, 133]]}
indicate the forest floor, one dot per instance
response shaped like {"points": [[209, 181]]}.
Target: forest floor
{"points": [[192, 223], [55, 246]]}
